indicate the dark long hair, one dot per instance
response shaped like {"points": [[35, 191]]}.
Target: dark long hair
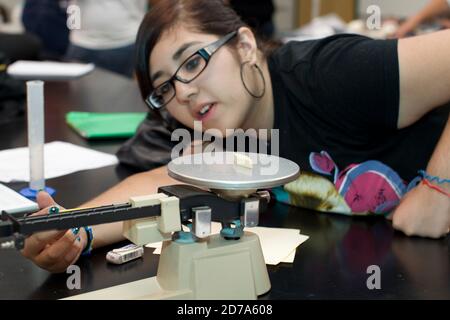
{"points": [[205, 16]]}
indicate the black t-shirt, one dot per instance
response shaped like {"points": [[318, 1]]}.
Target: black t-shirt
{"points": [[341, 95]]}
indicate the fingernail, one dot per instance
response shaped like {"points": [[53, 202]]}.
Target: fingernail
{"points": [[75, 231], [78, 239], [53, 210]]}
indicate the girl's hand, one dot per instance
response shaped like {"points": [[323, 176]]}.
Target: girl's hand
{"points": [[53, 250], [423, 212]]}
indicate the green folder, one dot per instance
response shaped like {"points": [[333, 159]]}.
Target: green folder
{"points": [[95, 125]]}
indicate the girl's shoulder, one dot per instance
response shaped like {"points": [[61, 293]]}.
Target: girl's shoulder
{"points": [[293, 52]]}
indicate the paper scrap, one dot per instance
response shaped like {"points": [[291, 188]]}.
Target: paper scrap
{"points": [[290, 258], [60, 158], [243, 160], [13, 202], [278, 244]]}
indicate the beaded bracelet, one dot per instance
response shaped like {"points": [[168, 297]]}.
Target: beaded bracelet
{"points": [[90, 241], [432, 186], [430, 178]]}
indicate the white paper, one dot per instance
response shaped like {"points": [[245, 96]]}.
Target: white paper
{"points": [[46, 70], [13, 202], [60, 158], [278, 244], [291, 257]]}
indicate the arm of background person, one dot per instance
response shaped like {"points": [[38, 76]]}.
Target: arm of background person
{"points": [[432, 10]]}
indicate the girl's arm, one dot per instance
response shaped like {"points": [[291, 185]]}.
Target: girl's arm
{"points": [[424, 75], [425, 85], [136, 185], [423, 211]]}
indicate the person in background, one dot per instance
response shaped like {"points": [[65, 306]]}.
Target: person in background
{"points": [[15, 44], [3, 14], [434, 9], [107, 34], [47, 20]]}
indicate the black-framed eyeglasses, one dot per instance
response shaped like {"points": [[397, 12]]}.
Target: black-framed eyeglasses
{"points": [[189, 70]]}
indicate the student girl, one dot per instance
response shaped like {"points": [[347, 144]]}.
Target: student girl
{"points": [[337, 102]]}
